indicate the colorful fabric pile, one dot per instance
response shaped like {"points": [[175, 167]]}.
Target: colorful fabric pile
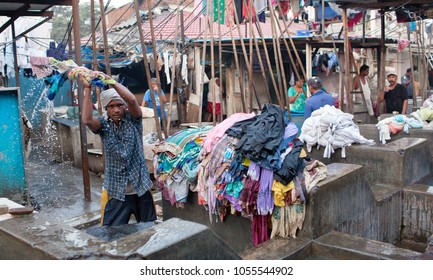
{"points": [[255, 167], [394, 124], [71, 72], [175, 163]]}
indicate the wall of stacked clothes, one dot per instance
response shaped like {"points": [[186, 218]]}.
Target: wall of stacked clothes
{"points": [[249, 165]]}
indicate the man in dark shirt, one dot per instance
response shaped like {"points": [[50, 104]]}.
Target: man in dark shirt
{"points": [[394, 95]]}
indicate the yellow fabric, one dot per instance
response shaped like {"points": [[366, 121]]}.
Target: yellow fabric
{"points": [[104, 199], [246, 162], [280, 191], [303, 154]]}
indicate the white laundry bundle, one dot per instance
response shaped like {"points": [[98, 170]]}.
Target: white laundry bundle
{"points": [[331, 128], [396, 123]]}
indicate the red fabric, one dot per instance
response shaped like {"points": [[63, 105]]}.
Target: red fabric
{"points": [[259, 227], [355, 20], [284, 7], [246, 10], [209, 108]]}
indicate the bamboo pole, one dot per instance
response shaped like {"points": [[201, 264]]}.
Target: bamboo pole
{"points": [[283, 75], [146, 68], [200, 93], [292, 61], [173, 69], [347, 83], [95, 68], [250, 77], [293, 43], [212, 65], [220, 55], [246, 57], [268, 61], [104, 34], [424, 73], [275, 38], [411, 65], [155, 55], [83, 136], [235, 54]]}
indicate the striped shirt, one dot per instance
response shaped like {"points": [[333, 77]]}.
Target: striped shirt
{"points": [[124, 156]]}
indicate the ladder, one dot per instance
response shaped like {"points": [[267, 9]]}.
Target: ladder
{"points": [[359, 109]]}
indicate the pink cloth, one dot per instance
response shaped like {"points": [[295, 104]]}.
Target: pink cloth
{"points": [[215, 134], [40, 66], [402, 44]]}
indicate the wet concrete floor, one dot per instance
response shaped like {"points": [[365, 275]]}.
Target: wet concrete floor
{"points": [[56, 188]]}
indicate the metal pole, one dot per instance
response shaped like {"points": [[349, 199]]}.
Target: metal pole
{"points": [[83, 136]]}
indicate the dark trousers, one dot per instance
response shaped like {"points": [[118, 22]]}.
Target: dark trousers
{"points": [[119, 212]]}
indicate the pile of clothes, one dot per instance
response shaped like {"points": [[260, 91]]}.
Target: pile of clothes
{"points": [[333, 129], [394, 124], [175, 163], [253, 166]]}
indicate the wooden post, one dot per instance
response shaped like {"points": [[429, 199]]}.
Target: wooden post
{"points": [[203, 65], [411, 65], [173, 69], [155, 55], [292, 61], [95, 68], [347, 83], [220, 56], [276, 38], [246, 57], [269, 63], [235, 54], [212, 64], [292, 43], [146, 69], [104, 34], [83, 136], [14, 47]]}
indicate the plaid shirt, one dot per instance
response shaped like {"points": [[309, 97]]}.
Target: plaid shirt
{"points": [[124, 156]]}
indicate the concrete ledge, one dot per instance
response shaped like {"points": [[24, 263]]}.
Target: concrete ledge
{"points": [[279, 248], [173, 239], [340, 202], [398, 163], [33, 237], [417, 212], [387, 213], [343, 246]]}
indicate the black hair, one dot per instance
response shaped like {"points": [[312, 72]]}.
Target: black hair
{"points": [[363, 67]]}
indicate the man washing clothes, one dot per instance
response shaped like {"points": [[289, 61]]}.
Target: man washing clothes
{"points": [[126, 187]]}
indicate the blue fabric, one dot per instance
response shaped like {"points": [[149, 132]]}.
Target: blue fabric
{"points": [[148, 98], [124, 156], [316, 101]]}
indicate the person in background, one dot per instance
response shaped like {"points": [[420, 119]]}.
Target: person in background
{"points": [[319, 97], [297, 96], [406, 81], [360, 82], [394, 95], [1, 79], [218, 92], [127, 183], [147, 99]]}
